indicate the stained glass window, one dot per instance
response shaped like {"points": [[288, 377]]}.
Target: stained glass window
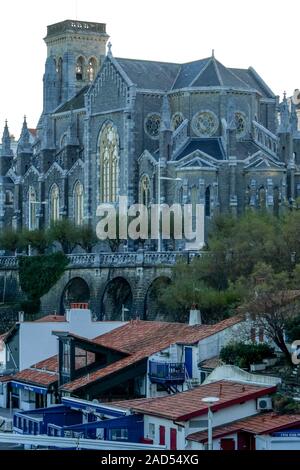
{"points": [[54, 201], [152, 125], [205, 123], [78, 203], [109, 163]]}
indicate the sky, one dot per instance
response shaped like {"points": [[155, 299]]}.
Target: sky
{"points": [[243, 33]]}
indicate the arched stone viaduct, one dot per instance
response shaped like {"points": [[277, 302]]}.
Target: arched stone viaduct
{"points": [[107, 281]]}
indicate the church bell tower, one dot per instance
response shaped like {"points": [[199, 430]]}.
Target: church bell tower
{"points": [[75, 51]]}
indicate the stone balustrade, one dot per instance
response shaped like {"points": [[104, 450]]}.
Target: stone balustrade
{"points": [[104, 260]]}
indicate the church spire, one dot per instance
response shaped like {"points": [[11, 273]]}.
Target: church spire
{"points": [[24, 141], [284, 115], [165, 115], [294, 119], [6, 141]]}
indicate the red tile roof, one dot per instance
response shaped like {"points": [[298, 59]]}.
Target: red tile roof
{"points": [[187, 405], [43, 373], [51, 318], [35, 377], [141, 339], [5, 378], [264, 423]]}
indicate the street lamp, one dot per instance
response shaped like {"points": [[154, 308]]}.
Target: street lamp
{"points": [[158, 206], [210, 401]]}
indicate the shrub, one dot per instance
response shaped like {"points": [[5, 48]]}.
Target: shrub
{"points": [[37, 275], [242, 355]]}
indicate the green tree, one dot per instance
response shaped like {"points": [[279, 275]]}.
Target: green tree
{"points": [[37, 275], [65, 233], [11, 240], [37, 239], [87, 238], [272, 303]]}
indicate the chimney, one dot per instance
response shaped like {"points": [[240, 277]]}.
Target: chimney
{"points": [[21, 316], [195, 316]]}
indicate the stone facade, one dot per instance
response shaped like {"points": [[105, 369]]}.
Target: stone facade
{"points": [[220, 132]]}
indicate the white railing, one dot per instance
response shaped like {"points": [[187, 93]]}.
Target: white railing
{"points": [[77, 443]]}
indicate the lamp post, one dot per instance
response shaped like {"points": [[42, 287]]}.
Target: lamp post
{"points": [[210, 401], [158, 206]]}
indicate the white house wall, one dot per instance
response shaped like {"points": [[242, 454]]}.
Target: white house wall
{"points": [[37, 342]]}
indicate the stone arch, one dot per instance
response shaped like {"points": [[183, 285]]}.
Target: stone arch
{"points": [[76, 291], [117, 292], [152, 308]]}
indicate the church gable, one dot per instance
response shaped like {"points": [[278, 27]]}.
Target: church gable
{"points": [[262, 161], [196, 160], [110, 88]]}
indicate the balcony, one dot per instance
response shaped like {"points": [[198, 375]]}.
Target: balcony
{"points": [[167, 373]]}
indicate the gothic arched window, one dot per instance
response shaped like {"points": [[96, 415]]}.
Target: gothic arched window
{"points": [[109, 163], [145, 190], [207, 201], [262, 198], [32, 208], [194, 199], [80, 68], [276, 199], [59, 70], [54, 203], [91, 70], [78, 203]]}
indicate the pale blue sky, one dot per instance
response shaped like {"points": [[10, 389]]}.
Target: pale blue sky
{"points": [[259, 33]]}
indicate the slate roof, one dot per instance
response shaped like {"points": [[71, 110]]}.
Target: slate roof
{"points": [[208, 72], [149, 74], [77, 102], [250, 77], [187, 405], [210, 145], [265, 423]]}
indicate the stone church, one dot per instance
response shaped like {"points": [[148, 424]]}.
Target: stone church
{"points": [[219, 135]]}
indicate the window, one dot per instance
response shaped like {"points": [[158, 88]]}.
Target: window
{"points": [[151, 430], [194, 199], [79, 68], [9, 197], [145, 191], [205, 123], [109, 163], [32, 203], [152, 125], [78, 203], [91, 71], [177, 119], [207, 201], [59, 71], [262, 198], [119, 434], [66, 359], [54, 203]]}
